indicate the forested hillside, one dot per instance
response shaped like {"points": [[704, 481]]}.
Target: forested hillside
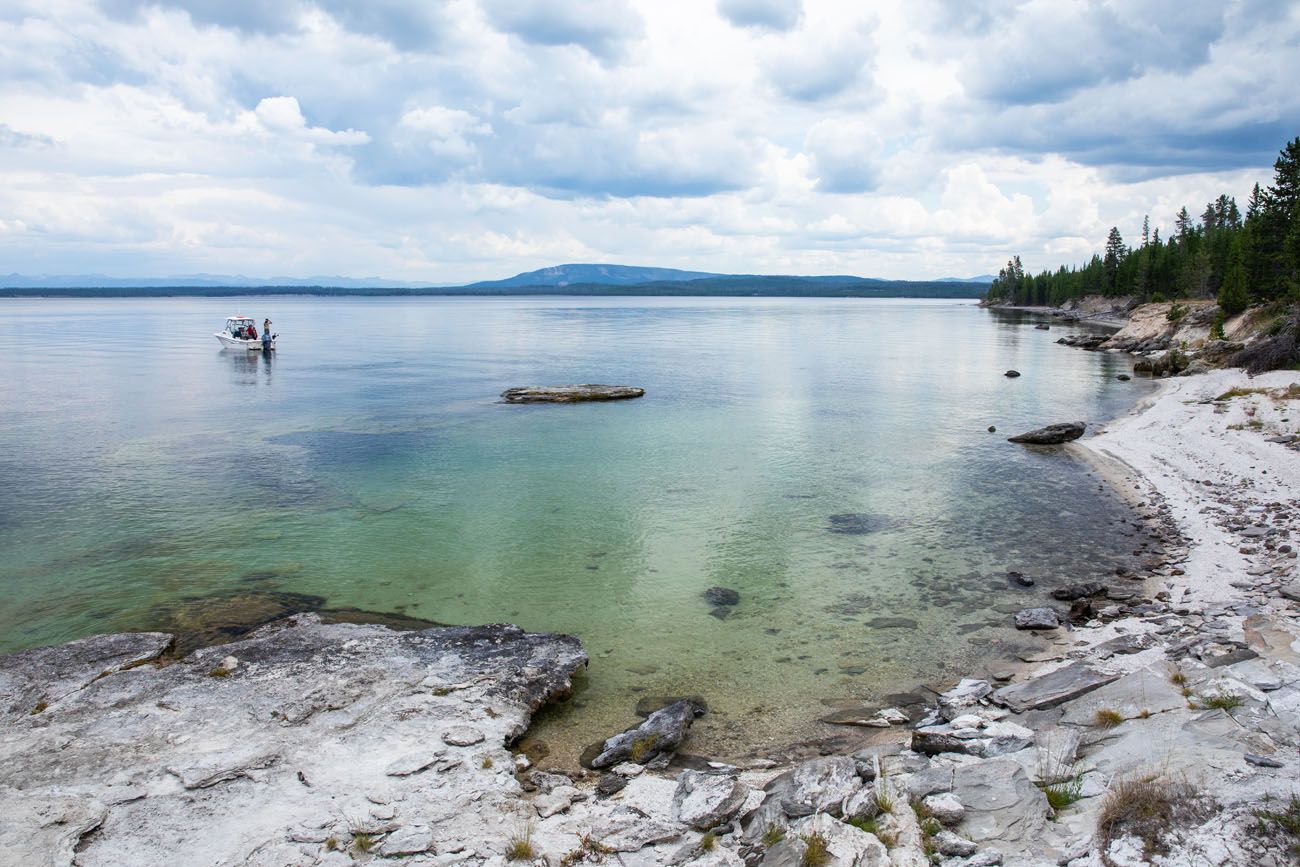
{"points": [[1225, 254]]}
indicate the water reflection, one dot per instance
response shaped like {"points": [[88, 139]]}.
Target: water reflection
{"points": [[248, 368]]}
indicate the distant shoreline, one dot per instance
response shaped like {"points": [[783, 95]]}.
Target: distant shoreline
{"points": [[955, 291]]}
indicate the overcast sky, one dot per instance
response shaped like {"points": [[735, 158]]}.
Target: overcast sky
{"points": [[471, 139]]}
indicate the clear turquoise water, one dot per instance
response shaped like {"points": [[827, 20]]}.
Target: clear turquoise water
{"points": [[369, 462]]}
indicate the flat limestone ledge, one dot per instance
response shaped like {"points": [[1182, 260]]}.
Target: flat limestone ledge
{"points": [[265, 750], [570, 393]]}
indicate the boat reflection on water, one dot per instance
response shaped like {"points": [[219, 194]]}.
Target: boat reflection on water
{"points": [[249, 368]]}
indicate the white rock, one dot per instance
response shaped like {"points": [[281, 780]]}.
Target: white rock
{"points": [[947, 808], [705, 801], [462, 736]]}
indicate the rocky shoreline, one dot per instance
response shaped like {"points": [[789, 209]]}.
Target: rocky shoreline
{"points": [[1172, 693]]}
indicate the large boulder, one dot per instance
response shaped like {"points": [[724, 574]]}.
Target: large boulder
{"points": [[661, 732], [1049, 690], [569, 393], [1052, 435], [817, 786], [1000, 800], [705, 801]]}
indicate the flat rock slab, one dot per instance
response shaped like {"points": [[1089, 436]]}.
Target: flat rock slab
{"points": [[569, 393], [1052, 689], [1144, 691], [1052, 435], [320, 731]]}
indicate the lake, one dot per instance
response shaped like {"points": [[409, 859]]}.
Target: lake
{"points": [[828, 459]]}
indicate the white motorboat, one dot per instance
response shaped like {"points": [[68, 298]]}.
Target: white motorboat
{"points": [[236, 333]]}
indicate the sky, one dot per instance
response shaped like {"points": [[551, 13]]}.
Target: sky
{"points": [[473, 139]]}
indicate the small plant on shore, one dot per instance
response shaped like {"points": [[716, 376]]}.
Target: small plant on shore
{"points": [[331, 844], [1220, 701], [1063, 793], [884, 801], [1216, 327], [816, 850], [487, 763], [871, 826], [520, 847], [773, 835], [40, 707], [708, 842], [1107, 718], [362, 842], [589, 849], [928, 823], [1281, 826], [1176, 312], [1150, 809], [219, 671], [1178, 679]]}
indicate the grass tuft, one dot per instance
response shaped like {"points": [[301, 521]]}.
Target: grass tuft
{"points": [[362, 842], [40, 707], [708, 842], [1063, 793], [1149, 808], [1107, 718], [589, 849], [1178, 679], [816, 851], [773, 835], [487, 762], [520, 847]]}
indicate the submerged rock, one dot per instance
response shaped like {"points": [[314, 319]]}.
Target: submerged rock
{"points": [[661, 732], [1052, 435], [1011, 374], [569, 393], [1072, 592], [721, 596]]}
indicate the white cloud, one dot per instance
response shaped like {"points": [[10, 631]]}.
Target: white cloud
{"points": [[472, 138]]}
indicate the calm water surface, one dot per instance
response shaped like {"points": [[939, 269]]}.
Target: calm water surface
{"points": [[828, 459]]}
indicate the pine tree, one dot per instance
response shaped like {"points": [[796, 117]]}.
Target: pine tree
{"points": [[1183, 225], [1114, 256], [1232, 294]]}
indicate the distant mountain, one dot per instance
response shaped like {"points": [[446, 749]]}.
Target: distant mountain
{"points": [[983, 278], [573, 279], [608, 275]]}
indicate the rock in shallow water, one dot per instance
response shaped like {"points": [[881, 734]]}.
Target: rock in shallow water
{"points": [[569, 393], [1052, 435], [1038, 618], [661, 732]]}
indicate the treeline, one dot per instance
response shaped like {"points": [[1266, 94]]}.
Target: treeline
{"points": [[1236, 258]]}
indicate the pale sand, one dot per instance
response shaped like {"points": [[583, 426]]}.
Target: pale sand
{"points": [[1177, 444]]}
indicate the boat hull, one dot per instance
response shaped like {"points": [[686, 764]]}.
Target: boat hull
{"points": [[228, 342]]}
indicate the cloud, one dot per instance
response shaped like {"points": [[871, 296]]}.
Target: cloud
{"points": [[457, 139], [844, 155], [601, 27], [1049, 50], [407, 24], [765, 14], [817, 63], [282, 116]]}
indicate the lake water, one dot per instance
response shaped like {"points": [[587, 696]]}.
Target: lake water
{"points": [[827, 459]]}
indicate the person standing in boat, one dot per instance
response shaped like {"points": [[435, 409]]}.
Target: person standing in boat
{"points": [[266, 335]]}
